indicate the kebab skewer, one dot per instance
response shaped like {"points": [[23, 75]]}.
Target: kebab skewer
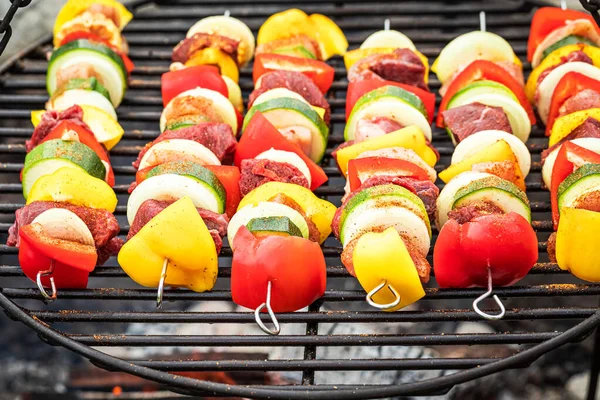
{"points": [[67, 227], [483, 207], [565, 87]]}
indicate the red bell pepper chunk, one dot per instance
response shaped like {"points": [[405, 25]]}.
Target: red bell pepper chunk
{"points": [[295, 267], [129, 66], [548, 19], [569, 158], [464, 252], [319, 72], [72, 261], [568, 86], [371, 166], [229, 176], [204, 76], [485, 70], [260, 135], [358, 89], [86, 137]]}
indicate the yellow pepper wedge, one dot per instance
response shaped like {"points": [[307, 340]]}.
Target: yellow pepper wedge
{"points": [[292, 22], [330, 37], [105, 128], [380, 256], [75, 7], [410, 137], [213, 56], [354, 56], [179, 235], [565, 124], [499, 151], [318, 210], [577, 243], [73, 186], [554, 58]]}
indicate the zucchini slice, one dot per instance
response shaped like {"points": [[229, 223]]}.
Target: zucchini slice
{"points": [[262, 210], [108, 64], [392, 102], [55, 154], [273, 226], [285, 112], [500, 192], [386, 206], [584, 182]]}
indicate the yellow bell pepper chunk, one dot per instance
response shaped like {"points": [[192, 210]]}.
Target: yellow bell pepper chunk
{"points": [[380, 256], [330, 37], [354, 56], [213, 56], [319, 110], [410, 137], [318, 210], [499, 151], [75, 7], [565, 124], [294, 22], [577, 243], [179, 235], [105, 128], [554, 58], [74, 186]]}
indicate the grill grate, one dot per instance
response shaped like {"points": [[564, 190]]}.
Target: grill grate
{"points": [[80, 319]]}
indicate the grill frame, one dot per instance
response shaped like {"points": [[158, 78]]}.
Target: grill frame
{"points": [[38, 320]]}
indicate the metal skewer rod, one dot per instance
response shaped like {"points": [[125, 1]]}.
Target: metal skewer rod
{"points": [[485, 296], [376, 289], [40, 286], [386, 24], [161, 284], [482, 26], [563, 4], [267, 305], [227, 13]]}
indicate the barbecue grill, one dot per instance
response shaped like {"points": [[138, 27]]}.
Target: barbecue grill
{"points": [[156, 28]]}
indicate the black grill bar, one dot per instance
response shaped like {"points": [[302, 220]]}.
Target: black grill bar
{"points": [[315, 340], [516, 314]]}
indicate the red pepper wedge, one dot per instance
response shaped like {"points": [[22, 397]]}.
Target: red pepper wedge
{"points": [[548, 19], [86, 137], [204, 76], [129, 66], [382, 166], [357, 89], [319, 72], [569, 158], [485, 70], [228, 175], [568, 86], [260, 135], [72, 261], [295, 267], [464, 252]]}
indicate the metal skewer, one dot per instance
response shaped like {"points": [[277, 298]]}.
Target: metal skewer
{"points": [[40, 286], [226, 13], [267, 305], [161, 284], [485, 296], [377, 289], [563, 4], [386, 24], [482, 26]]}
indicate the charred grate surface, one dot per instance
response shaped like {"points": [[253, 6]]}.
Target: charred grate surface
{"points": [[117, 317]]}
